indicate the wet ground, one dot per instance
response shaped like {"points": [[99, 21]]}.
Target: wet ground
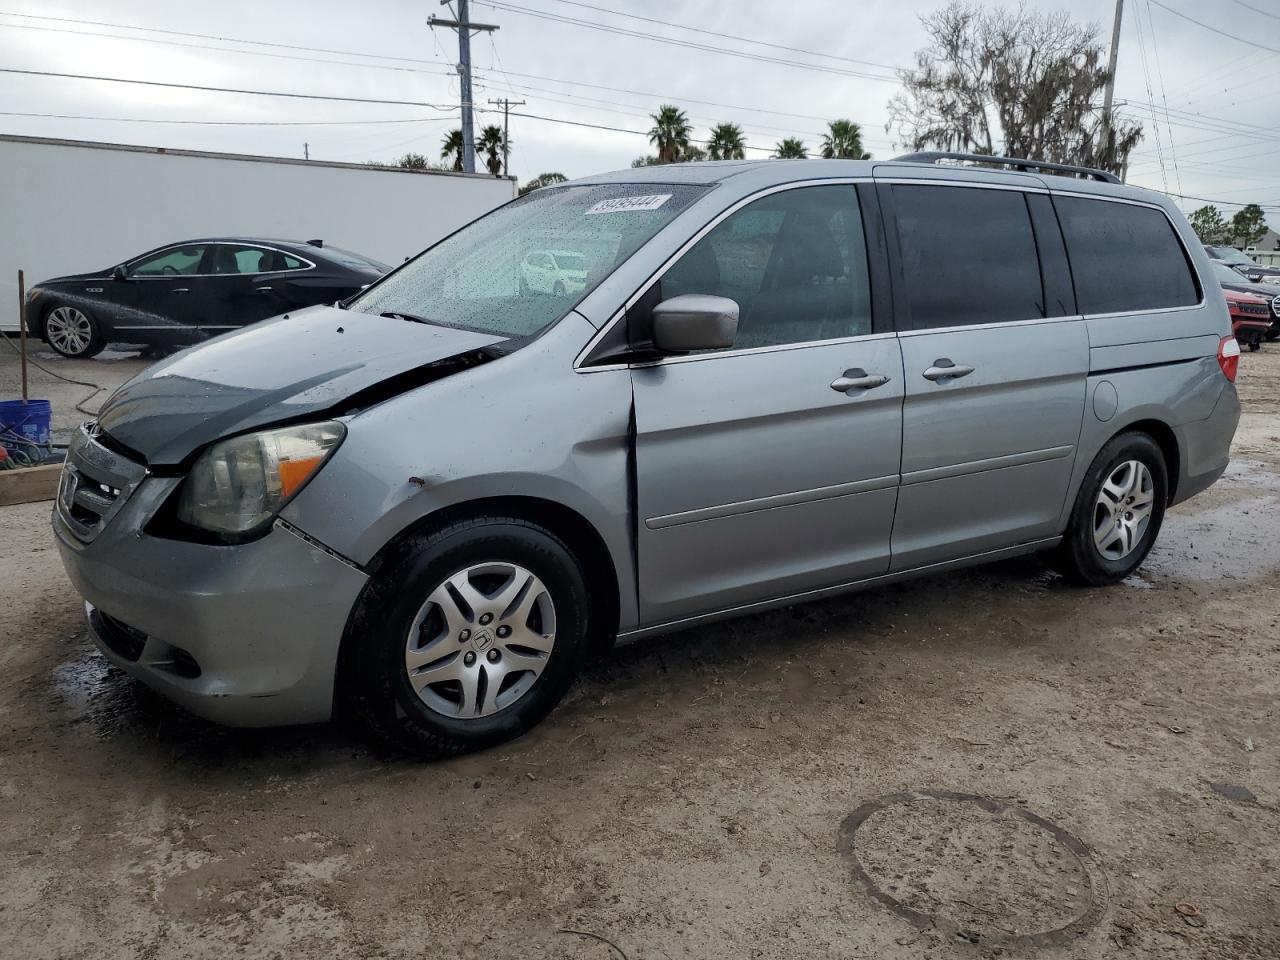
{"points": [[983, 764]]}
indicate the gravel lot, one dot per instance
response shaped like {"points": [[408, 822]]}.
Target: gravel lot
{"points": [[986, 763]]}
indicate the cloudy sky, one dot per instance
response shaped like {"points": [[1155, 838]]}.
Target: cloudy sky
{"points": [[1218, 138]]}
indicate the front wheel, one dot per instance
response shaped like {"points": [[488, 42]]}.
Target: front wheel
{"points": [[1255, 343], [1117, 513], [73, 332], [469, 636]]}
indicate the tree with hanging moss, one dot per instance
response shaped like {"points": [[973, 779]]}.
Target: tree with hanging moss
{"points": [[1019, 83]]}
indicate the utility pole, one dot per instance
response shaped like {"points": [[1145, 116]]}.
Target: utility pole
{"points": [[1111, 73], [306, 151], [464, 29], [506, 130]]}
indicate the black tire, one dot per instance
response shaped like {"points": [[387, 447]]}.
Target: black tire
{"points": [[1078, 558], [377, 682], [94, 344], [1255, 343]]}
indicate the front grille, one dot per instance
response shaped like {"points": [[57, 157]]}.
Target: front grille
{"points": [[1253, 309], [125, 641], [96, 481]]}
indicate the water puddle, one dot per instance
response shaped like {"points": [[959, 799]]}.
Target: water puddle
{"points": [[1235, 541]]}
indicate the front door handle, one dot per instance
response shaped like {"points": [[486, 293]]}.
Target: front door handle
{"points": [[180, 290], [857, 379], [944, 369], [262, 289]]}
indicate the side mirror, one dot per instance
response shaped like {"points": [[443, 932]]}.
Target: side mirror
{"points": [[120, 273], [694, 321]]}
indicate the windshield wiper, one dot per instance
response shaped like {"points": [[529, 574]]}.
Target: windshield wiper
{"points": [[400, 315]]}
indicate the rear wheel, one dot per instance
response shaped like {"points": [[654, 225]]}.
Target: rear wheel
{"points": [[73, 332], [1117, 514], [1255, 343], [470, 637]]}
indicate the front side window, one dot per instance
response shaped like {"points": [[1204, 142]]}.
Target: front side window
{"points": [[230, 258], [1124, 257], [174, 262], [479, 277], [968, 256], [795, 262]]}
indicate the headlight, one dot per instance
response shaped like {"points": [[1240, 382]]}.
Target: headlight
{"points": [[240, 483]]}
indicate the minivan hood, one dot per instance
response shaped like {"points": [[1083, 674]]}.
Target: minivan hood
{"points": [[307, 362]]}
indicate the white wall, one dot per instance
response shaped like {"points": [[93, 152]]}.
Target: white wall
{"points": [[67, 207]]}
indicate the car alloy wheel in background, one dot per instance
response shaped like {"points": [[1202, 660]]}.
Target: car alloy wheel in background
{"points": [[71, 332]]}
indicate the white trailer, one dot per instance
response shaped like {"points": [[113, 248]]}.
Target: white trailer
{"points": [[71, 206]]}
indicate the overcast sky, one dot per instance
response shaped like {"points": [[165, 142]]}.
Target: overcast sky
{"points": [[1218, 90]]}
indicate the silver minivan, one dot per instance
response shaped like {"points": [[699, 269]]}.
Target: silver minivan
{"points": [[776, 381]]}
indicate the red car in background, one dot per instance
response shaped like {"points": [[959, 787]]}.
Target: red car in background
{"points": [[1250, 317]]}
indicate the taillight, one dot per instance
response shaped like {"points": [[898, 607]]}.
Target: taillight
{"points": [[1229, 357]]}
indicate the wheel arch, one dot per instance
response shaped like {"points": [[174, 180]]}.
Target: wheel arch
{"points": [[1166, 440], [578, 533]]}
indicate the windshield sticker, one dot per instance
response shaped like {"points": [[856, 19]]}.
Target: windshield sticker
{"points": [[628, 204]]}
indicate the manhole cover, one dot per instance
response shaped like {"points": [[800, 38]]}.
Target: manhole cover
{"points": [[975, 868]]}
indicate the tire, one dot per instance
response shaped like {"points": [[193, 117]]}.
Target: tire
{"points": [[410, 613], [73, 332], [1080, 557], [1255, 343]]}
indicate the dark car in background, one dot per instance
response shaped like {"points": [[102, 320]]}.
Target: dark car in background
{"points": [[190, 291], [1230, 280], [1244, 264]]}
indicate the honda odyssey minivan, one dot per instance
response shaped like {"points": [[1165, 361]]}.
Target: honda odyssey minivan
{"points": [[779, 380]]}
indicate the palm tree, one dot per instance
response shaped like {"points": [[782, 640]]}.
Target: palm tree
{"points": [[792, 148], [493, 143], [670, 133], [726, 142], [843, 140], [453, 148]]}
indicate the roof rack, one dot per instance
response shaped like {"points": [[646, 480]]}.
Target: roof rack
{"points": [[933, 156]]}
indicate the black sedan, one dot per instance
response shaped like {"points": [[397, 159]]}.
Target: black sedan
{"points": [[1244, 264], [190, 291], [1230, 280]]}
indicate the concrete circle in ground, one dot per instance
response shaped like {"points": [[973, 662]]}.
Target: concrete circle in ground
{"points": [[976, 868]]}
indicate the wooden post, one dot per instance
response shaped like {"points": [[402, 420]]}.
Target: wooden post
{"points": [[22, 331]]}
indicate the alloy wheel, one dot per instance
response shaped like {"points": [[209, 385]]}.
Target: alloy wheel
{"points": [[68, 330], [1123, 510], [481, 640]]}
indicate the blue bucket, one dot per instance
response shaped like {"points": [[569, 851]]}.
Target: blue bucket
{"points": [[24, 430]]}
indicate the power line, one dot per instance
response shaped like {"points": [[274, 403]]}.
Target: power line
{"points": [[729, 36], [1221, 33], [205, 46], [1265, 13], [1155, 55], [225, 123], [254, 93], [672, 41], [207, 36]]}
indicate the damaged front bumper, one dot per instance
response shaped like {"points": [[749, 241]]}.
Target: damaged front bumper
{"points": [[245, 634]]}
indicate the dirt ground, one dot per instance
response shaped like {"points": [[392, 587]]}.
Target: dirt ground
{"points": [[987, 763]]}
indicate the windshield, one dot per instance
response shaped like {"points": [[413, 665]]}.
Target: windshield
{"points": [[571, 261], [349, 259], [497, 275], [1232, 255], [1226, 274]]}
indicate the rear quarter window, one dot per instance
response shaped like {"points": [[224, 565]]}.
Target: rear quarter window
{"points": [[1124, 257]]}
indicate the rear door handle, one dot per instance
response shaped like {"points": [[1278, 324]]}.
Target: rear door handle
{"points": [[180, 290], [262, 289], [857, 379], [944, 369]]}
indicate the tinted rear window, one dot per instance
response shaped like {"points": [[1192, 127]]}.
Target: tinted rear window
{"points": [[969, 256], [1124, 257]]}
